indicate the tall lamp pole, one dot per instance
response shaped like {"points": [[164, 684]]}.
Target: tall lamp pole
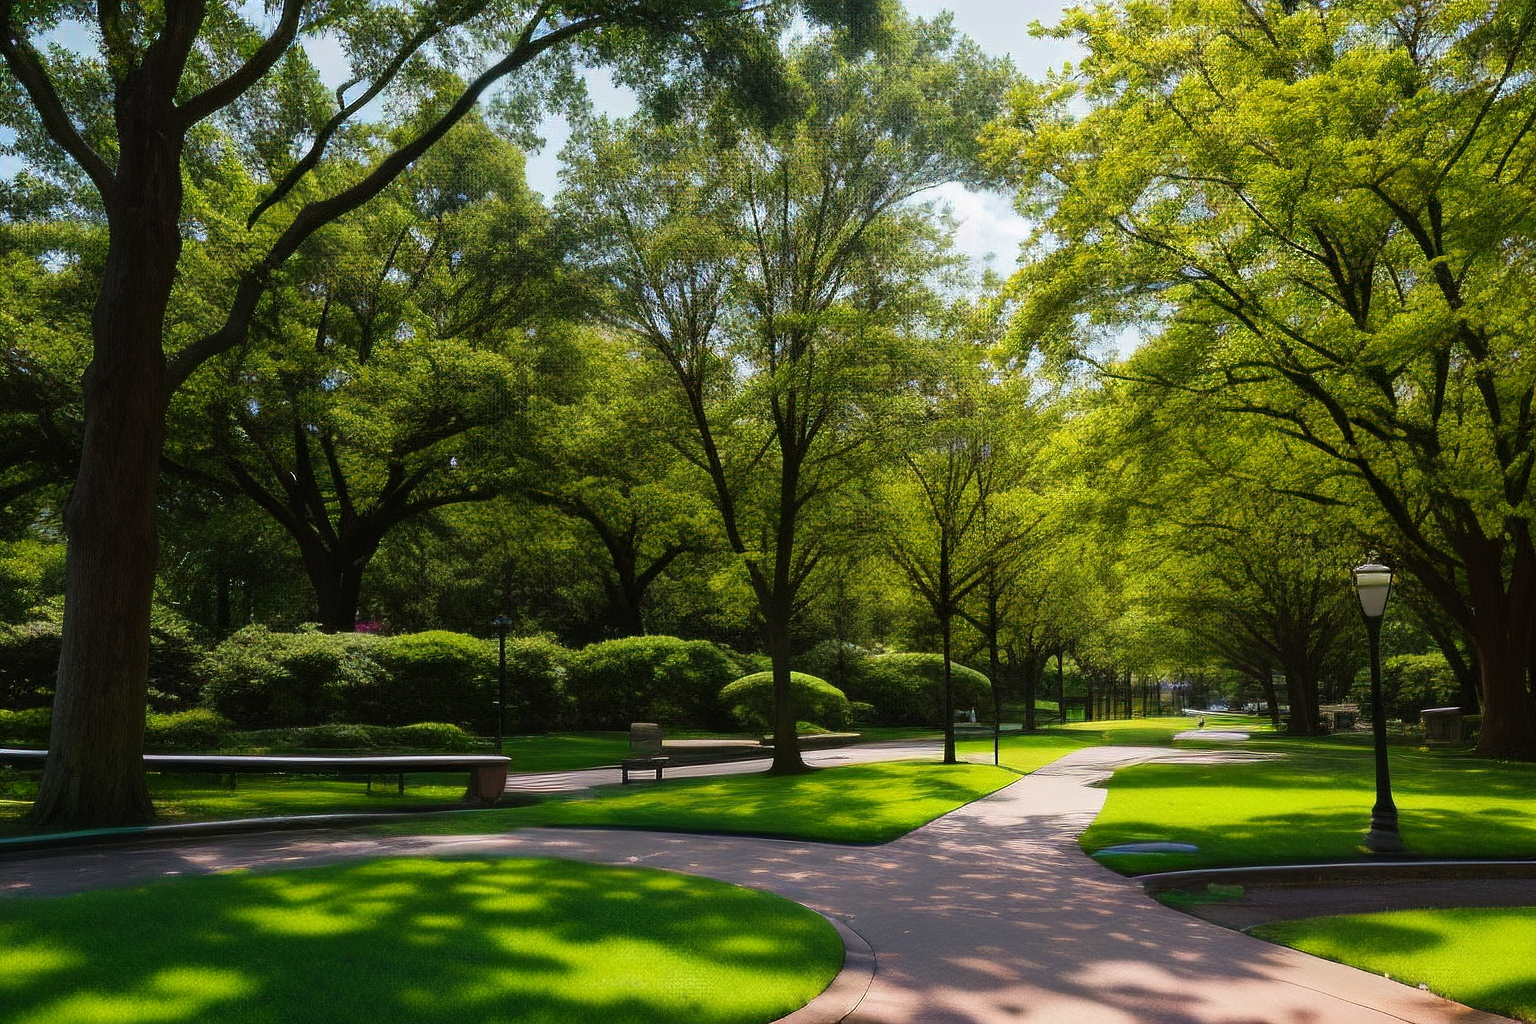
{"points": [[501, 624], [1373, 585]]}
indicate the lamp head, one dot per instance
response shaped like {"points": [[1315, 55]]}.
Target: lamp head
{"points": [[1373, 585], [501, 624]]}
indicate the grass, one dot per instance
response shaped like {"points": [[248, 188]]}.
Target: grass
{"points": [[867, 803], [1482, 957], [1312, 803], [1025, 753], [208, 798], [415, 940]]}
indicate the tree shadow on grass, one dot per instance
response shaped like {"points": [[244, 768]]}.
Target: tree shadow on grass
{"points": [[415, 940], [854, 804]]}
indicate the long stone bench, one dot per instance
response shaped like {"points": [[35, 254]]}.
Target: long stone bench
{"points": [[487, 772]]}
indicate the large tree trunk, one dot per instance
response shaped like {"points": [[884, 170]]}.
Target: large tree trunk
{"points": [[786, 741], [336, 576], [95, 770], [1502, 631]]}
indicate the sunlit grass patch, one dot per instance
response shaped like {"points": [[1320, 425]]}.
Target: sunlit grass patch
{"points": [[867, 803], [1313, 802], [1025, 753], [415, 940], [1482, 957]]}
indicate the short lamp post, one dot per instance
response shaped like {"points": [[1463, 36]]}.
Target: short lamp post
{"points": [[1373, 585], [501, 624]]}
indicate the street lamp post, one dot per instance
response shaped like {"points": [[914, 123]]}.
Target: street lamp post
{"points": [[501, 624], [1373, 585]]}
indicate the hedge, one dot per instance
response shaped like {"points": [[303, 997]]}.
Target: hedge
{"points": [[29, 661], [435, 676], [907, 688], [652, 679], [538, 695], [751, 700], [263, 680]]}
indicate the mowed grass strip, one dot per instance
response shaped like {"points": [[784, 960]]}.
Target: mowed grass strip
{"points": [[1027, 753], [1482, 957], [866, 803], [1312, 802], [208, 797], [415, 940]]}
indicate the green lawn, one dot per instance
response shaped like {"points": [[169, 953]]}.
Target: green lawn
{"points": [[866, 803], [1025, 753], [1313, 803], [1482, 957], [208, 797], [415, 940]]}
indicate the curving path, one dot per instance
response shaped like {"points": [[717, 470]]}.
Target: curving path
{"points": [[989, 914]]}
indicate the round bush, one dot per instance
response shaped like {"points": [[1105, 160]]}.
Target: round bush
{"points": [[435, 676], [908, 688], [431, 736], [538, 695], [264, 680], [651, 679], [751, 700], [198, 729]]}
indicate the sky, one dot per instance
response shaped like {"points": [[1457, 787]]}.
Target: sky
{"points": [[988, 230]]}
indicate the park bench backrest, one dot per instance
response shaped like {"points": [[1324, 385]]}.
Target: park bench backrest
{"points": [[644, 739]]}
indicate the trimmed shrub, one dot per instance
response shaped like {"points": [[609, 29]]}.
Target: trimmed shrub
{"points": [[29, 660], [25, 728], [751, 700], [835, 661], [29, 664], [198, 729], [431, 736], [435, 676], [651, 679], [537, 688], [264, 680], [908, 688]]}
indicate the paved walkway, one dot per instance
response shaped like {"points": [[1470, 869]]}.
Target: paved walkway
{"points": [[573, 781], [989, 914]]}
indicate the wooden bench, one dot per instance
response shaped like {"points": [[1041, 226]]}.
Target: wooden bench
{"points": [[487, 772], [634, 764], [644, 751]]}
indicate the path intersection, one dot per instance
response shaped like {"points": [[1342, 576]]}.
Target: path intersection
{"points": [[989, 914]]}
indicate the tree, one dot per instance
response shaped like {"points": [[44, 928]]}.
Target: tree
{"points": [[769, 275], [626, 486], [391, 366], [1323, 213], [955, 527], [173, 89]]}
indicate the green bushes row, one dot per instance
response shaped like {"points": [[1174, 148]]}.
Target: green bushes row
{"points": [[29, 661], [265, 680], [259, 679], [901, 688], [203, 729]]}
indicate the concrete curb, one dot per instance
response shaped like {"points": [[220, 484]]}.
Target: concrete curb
{"points": [[840, 998], [1344, 873]]}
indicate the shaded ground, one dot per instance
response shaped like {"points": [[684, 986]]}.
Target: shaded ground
{"points": [[989, 914], [414, 940]]}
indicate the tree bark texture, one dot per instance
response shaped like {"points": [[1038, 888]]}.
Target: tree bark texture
{"points": [[1503, 632], [95, 769]]}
